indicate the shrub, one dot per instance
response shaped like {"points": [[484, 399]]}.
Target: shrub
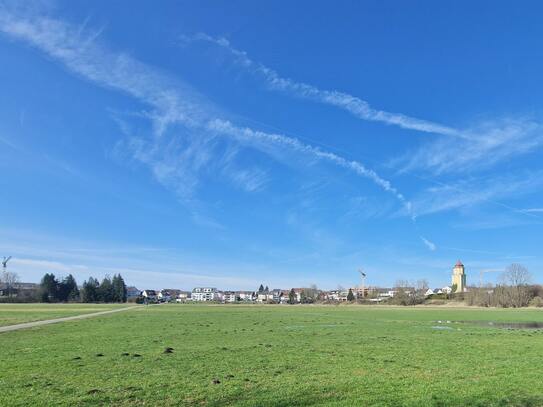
{"points": [[536, 302]]}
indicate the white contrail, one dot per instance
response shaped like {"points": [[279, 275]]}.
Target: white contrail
{"points": [[173, 101], [246, 134], [352, 104]]}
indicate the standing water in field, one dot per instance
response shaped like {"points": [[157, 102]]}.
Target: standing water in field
{"points": [[503, 325]]}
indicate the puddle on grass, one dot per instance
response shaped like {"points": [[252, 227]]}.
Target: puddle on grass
{"points": [[494, 324], [508, 325]]}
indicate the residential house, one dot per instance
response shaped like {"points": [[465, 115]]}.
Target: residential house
{"points": [[264, 296], [149, 295], [247, 296], [429, 292], [386, 293], [132, 292], [204, 294], [19, 290], [284, 297], [164, 296], [331, 295], [298, 293], [344, 294], [365, 292], [276, 295], [229, 296], [183, 296], [174, 292]]}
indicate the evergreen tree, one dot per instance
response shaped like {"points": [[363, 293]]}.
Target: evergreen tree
{"points": [[292, 297], [90, 290], [115, 290], [119, 288], [49, 288], [105, 290], [261, 288], [350, 296], [73, 293], [102, 292], [67, 289]]}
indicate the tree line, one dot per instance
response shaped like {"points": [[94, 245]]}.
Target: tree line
{"points": [[513, 291], [66, 290], [307, 295]]}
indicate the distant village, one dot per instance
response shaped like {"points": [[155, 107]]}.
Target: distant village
{"points": [[275, 296], [515, 290], [264, 295]]}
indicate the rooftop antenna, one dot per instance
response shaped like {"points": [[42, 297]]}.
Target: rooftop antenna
{"points": [[363, 277], [5, 263]]}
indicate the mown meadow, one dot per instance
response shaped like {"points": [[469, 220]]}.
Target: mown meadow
{"points": [[172, 355]]}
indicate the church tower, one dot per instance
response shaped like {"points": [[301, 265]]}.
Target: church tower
{"points": [[459, 277]]}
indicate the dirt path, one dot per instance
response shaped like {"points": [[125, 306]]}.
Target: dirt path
{"points": [[54, 321]]}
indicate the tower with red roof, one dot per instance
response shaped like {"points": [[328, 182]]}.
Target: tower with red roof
{"points": [[459, 277]]}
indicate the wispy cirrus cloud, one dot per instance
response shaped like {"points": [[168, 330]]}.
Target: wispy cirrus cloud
{"points": [[78, 49], [352, 104], [468, 193], [176, 161], [249, 179], [486, 145], [8, 143], [532, 210], [462, 150], [173, 103], [430, 245]]}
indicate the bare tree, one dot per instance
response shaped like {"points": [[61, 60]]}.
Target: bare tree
{"points": [[422, 285], [481, 296], [9, 279], [401, 284], [405, 294], [516, 291], [312, 292], [517, 275]]}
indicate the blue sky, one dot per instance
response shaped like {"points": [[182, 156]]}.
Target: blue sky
{"points": [[200, 143]]}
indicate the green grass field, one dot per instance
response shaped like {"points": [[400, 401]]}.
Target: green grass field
{"points": [[11, 314], [276, 356]]}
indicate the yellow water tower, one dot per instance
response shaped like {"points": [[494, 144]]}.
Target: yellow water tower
{"points": [[459, 277]]}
